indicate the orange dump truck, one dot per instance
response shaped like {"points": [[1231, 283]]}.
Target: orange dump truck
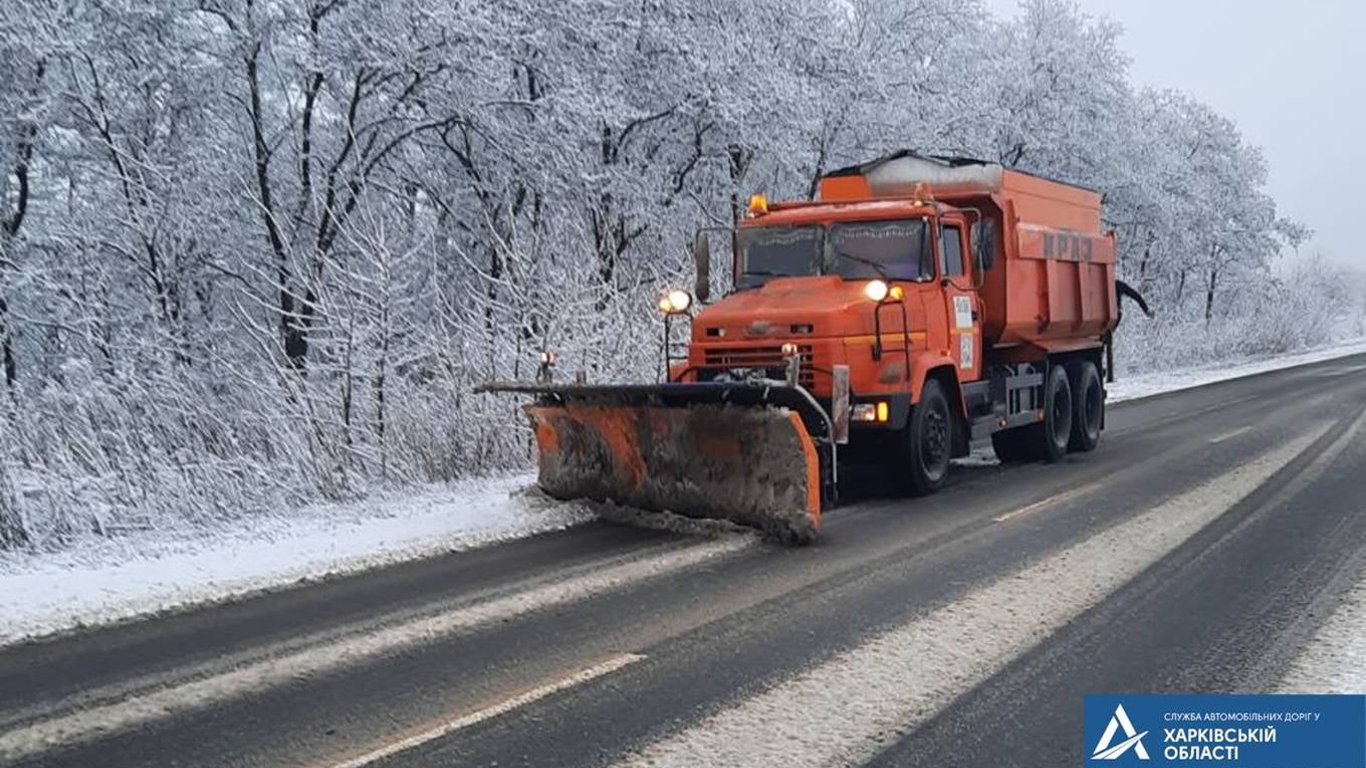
{"points": [[920, 303]]}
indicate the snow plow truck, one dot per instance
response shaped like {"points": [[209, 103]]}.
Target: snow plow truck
{"points": [[917, 304]]}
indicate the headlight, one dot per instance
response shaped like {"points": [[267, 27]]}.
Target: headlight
{"points": [[875, 290], [675, 302]]}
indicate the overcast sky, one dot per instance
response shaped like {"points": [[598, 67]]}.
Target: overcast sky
{"points": [[1291, 75]]}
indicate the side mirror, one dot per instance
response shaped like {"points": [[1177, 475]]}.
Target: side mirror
{"points": [[701, 258]]}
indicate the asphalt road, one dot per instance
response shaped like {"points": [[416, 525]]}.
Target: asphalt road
{"points": [[1198, 549]]}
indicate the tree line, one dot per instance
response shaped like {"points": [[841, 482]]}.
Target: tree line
{"points": [[256, 253]]}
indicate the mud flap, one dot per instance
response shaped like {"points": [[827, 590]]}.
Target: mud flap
{"points": [[731, 452]]}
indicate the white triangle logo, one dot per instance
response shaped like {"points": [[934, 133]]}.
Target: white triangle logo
{"points": [[1133, 739]]}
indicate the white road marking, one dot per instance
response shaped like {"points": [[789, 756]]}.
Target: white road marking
{"points": [[103, 720], [1229, 435], [844, 711], [445, 729], [1058, 498]]}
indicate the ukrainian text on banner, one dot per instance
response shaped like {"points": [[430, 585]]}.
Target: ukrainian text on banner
{"points": [[1247, 731]]}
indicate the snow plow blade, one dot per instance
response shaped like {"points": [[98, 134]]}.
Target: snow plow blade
{"points": [[750, 454]]}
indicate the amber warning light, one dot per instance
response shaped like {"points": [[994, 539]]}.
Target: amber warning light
{"points": [[758, 204]]}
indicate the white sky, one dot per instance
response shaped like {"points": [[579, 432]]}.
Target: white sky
{"points": [[1291, 75]]}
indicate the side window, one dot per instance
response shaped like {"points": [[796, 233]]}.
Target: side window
{"points": [[951, 243]]}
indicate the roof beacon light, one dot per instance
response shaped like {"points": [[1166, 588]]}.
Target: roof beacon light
{"points": [[758, 204]]}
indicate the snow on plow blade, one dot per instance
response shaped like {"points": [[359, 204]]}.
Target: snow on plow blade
{"points": [[732, 452]]}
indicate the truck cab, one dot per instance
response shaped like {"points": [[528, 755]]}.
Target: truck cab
{"points": [[883, 287]]}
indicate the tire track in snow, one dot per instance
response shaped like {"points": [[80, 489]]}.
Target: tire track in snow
{"points": [[109, 718], [847, 709]]}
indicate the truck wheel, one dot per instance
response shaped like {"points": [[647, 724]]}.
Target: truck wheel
{"points": [[1057, 419], [926, 443], [1089, 408]]}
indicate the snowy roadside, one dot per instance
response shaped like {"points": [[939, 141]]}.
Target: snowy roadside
{"points": [[1334, 661], [1133, 387], [101, 581], [98, 582]]}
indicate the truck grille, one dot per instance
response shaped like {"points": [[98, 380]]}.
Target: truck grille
{"points": [[719, 360]]}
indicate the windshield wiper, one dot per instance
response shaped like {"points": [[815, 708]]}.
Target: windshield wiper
{"points": [[753, 273], [881, 272]]}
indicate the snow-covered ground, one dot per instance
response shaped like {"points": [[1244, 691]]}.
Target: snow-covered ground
{"points": [[1335, 660], [99, 581], [103, 581], [1148, 384]]}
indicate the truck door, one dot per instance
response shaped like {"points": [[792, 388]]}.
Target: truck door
{"points": [[963, 306]]}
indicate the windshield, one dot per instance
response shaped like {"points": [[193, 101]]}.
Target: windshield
{"points": [[897, 249], [768, 252]]}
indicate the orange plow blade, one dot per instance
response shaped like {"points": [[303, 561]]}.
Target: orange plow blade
{"points": [[742, 454]]}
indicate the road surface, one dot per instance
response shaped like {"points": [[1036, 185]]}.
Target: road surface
{"points": [[1199, 549]]}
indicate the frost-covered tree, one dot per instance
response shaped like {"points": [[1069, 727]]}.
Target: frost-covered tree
{"points": [[259, 252]]}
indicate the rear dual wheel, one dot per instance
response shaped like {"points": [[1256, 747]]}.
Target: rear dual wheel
{"points": [[1058, 412], [1089, 410], [1046, 440]]}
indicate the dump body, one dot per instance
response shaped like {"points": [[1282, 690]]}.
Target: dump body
{"points": [[1052, 284]]}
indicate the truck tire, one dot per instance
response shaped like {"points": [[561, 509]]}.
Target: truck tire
{"points": [[1055, 433], [1089, 405], [926, 442]]}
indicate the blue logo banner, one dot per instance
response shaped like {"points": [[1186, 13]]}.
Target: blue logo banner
{"points": [[1247, 731]]}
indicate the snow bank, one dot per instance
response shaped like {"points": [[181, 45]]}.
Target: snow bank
{"points": [[1158, 382], [99, 581]]}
